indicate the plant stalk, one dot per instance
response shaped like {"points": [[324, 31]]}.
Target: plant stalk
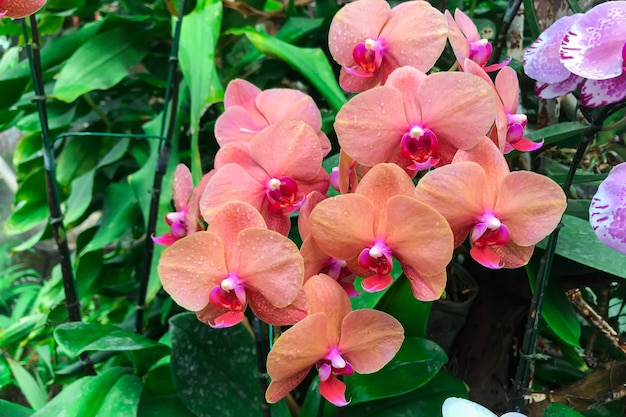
{"points": [[509, 15], [262, 349], [52, 193]]}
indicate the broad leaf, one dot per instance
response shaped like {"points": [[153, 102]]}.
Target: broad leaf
{"points": [[14, 410], [214, 369], [99, 64], [33, 390], [111, 393], [560, 410]]}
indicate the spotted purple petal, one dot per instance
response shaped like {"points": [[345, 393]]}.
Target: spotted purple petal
{"points": [[553, 90], [541, 60], [607, 213], [592, 48], [597, 93]]}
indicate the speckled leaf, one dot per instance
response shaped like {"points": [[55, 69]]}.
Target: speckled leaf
{"points": [[214, 369]]}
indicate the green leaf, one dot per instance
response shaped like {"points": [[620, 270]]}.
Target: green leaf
{"points": [[579, 243], [558, 132], [371, 299], [163, 406], [560, 410], [34, 392], [199, 34], [310, 62], [99, 64], [119, 216], [214, 370], [14, 410], [417, 361], [557, 310], [77, 337], [111, 393], [400, 302], [20, 330]]}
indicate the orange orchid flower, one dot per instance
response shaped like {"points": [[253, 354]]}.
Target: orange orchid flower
{"points": [[381, 220], [236, 262], [337, 340], [504, 213]]}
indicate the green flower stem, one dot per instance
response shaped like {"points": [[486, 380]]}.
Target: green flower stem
{"points": [[167, 124], [527, 351], [52, 193]]}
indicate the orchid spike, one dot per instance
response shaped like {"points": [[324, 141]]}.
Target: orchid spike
{"points": [[504, 213], [380, 221], [408, 121], [184, 220], [455, 407], [606, 213], [334, 339], [369, 40], [248, 110], [17, 9], [467, 43], [236, 262], [273, 173]]}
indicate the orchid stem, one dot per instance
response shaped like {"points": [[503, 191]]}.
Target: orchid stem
{"points": [[509, 15], [52, 194], [523, 374], [167, 129], [262, 349]]}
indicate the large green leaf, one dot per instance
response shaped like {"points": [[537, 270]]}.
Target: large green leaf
{"points": [[560, 410], [417, 361], [10, 409], [215, 371], [310, 62], [33, 390], [119, 216], [579, 243], [199, 34], [77, 337], [163, 406], [99, 64], [112, 393], [412, 313]]}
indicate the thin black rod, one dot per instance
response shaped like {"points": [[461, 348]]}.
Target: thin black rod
{"points": [[262, 350], [169, 120], [528, 349], [52, 194], [507, 20]]}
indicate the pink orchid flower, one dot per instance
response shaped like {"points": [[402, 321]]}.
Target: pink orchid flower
{"points": [[467, 43], [184, 220], [369, 40], [337, 340], [273, 173], [505, 213], [606, 213], [508, 131], [248, 110], [236, 262], [582, 49], [381, 220], [17, 9], [316, 261], [410, 122]]}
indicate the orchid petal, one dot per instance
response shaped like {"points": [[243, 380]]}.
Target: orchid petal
{"points": [[182, 187], [301, 107], [530, 205], [280, 388], [384, 181], [512, 255], [370, 339], [415, 35], [228, 319], [376, 283], [342, 226], [285, 316], [407, 81], [592, 48], [314, 258], [455, 407], [191, 267], [312, 199], [242, 93], [326, 296], [489, 157], [541, 60], [598, 93], [18, 9], [236, 124], [369, 127], [548, 91], [466, 25], [271, 264], [458, 41], [464, 114], [334, 391], [417, 235], [166, 239], [354, 84], [298, 349], [457, 192], [526, 145], [606, 213], [485, 256], [507, 86], [426, 287]]}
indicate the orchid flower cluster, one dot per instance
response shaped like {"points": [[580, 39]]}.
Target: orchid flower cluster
{"points": [[228, 245], [587, 50]]}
